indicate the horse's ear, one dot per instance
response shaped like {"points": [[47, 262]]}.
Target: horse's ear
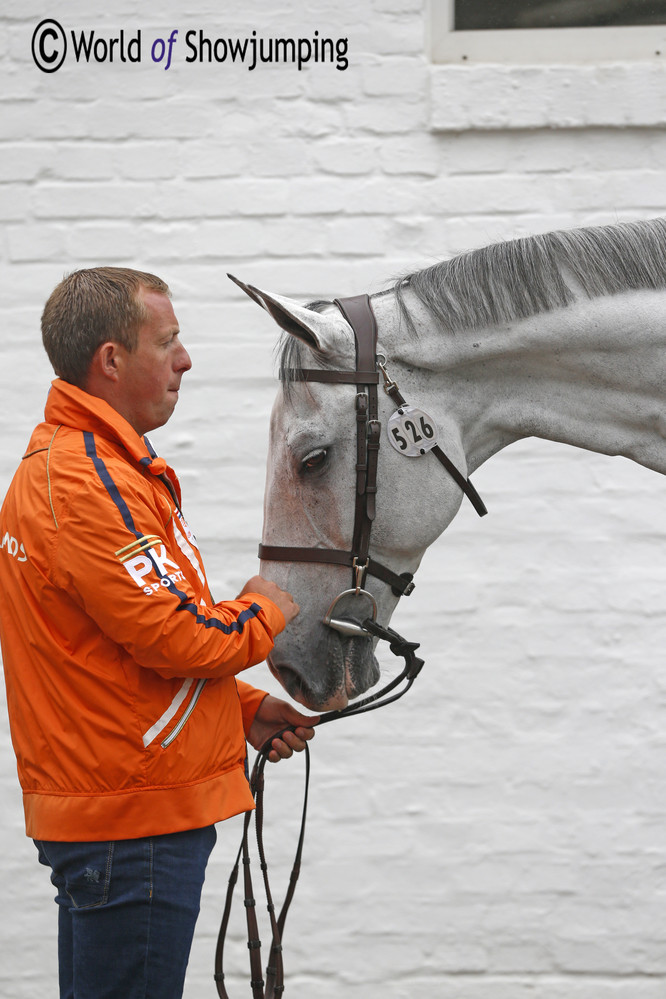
{"points": [[317, 331]]}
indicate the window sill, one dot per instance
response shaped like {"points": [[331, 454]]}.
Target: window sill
{"points": [[495, 96]]}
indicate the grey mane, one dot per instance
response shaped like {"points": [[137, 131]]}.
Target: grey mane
{"points": [[512, 280], [508, 281]]}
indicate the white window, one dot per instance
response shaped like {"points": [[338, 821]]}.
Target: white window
{"points": [[546, 31]]}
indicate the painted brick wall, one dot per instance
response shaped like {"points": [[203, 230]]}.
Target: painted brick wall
{"points": [[501, 833]]}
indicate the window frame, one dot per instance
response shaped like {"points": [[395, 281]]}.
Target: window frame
{"points": [[539, 46]]}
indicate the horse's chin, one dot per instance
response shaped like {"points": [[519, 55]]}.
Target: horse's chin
{"points": [[351, 669]]}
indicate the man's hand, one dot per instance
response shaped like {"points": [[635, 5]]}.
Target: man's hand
{"points": [[281, 598], [274, 715]]}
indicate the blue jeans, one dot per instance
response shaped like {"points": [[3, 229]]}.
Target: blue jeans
{"points": [[127, 911]]}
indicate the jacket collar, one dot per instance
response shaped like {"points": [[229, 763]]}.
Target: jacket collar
{"points": [[72, 407]]}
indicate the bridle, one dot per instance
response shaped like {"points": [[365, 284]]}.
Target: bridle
{"points": [[369, 366]]}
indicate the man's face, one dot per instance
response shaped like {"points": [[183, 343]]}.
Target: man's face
{"points": [[150, 375]]}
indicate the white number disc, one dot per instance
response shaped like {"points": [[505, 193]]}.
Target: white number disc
{"points": [[411, 431]]}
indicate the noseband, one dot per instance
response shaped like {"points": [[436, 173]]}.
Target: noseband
{"points": [[369, 366]]}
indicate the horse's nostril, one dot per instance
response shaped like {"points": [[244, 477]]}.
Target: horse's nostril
{"points": [[312, 696], [292, 682]]}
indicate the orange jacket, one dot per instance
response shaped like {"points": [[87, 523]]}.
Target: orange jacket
{"points": [[124, 710]]}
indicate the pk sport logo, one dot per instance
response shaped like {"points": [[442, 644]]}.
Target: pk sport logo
{"points": [[139, 565]]}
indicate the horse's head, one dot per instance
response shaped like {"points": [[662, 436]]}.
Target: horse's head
{"points": [[310, 503]]}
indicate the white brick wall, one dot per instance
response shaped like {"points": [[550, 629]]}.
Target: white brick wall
{"points": [[500, 833]]}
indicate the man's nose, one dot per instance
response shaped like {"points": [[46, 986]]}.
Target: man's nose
{"points": [[183, 360]]}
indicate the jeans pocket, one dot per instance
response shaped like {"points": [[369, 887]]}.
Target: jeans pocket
{"points": [[80, 871]]}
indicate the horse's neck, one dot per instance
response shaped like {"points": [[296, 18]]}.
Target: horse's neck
{"points": [[591, 375]]}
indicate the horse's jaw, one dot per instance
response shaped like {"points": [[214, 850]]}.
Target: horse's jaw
{"points": [[350, 667]]}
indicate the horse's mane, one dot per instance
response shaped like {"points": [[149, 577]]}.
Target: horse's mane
{"points": [[519, 278], [511, 280]]}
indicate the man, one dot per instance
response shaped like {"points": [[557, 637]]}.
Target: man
{"points": [[126, 716]]}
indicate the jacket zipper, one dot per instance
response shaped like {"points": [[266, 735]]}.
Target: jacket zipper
{"points": [[178, 728]]}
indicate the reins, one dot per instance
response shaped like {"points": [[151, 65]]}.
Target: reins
{"points": [[273, 986], [404, 422]]}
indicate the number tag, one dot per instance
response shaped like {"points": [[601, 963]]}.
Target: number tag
{"points": [[411, 431]]}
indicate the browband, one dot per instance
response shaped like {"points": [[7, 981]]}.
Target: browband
{"points": [[324, 375]]}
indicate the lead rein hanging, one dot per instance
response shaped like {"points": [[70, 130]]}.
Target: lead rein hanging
{"points": [[274, 985]]}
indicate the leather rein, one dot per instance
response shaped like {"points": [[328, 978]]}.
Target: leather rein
{"points": [[369, 365]]}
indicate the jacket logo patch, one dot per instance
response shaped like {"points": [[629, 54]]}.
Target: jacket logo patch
{"points": [[141, 565], [14, 548]]}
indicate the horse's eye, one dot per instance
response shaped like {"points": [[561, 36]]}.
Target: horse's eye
{"points": [[315, 460]]}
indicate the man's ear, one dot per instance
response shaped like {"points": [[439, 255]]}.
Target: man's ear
{"points": [[106, 361]]}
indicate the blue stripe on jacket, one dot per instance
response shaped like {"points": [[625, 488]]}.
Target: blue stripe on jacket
{"points": [[114, 493]]}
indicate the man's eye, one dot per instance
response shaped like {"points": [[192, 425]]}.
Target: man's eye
{"points": [[315, 460]]}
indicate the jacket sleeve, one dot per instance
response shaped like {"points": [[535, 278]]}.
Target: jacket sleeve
{"points": [[120, 563], [250, 698]]}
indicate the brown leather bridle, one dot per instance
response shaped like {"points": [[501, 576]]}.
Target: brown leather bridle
{"points": [[358, 313]]}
